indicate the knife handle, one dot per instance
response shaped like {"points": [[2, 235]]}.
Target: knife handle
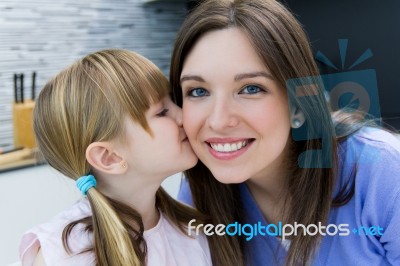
{"points": [[22, 87]]}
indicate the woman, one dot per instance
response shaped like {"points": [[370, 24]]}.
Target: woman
{"points": [[273, 155]]}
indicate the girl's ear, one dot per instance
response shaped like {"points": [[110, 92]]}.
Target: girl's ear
{"points": [[104, 158]]}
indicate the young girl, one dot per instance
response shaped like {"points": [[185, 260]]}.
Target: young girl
{"points": [[108, 123]]}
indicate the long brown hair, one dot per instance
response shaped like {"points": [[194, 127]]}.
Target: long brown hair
{"points": [[282, 44], [86, 103]]}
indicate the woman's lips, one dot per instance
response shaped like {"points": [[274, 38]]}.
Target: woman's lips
{"points": [[228, 149]]}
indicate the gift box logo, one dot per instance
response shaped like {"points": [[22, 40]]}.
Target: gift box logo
{"points": [[350, 90]]}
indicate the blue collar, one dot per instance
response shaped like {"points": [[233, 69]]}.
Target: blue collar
{"points": [[260, 250]]}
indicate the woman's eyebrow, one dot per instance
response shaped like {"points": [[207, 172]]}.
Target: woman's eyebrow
{"points": [[191, 77], [253, 75], [236, 78]]}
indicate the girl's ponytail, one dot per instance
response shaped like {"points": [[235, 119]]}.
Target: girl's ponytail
{"points": [[113, 244]]}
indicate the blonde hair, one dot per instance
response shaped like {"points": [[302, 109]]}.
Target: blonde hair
{"points": [[86, 103]]}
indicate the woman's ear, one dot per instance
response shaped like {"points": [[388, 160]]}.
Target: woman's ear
{"points": [[104, 158], [297, 117]]}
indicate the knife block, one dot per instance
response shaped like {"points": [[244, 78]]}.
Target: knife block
{"points": [[23, 124]]}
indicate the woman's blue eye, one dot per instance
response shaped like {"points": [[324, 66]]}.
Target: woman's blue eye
{"points": [[163, 112], [251, 89], [198, 92]]}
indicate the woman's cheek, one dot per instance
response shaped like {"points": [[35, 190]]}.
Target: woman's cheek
{"points": [[191, 122]]}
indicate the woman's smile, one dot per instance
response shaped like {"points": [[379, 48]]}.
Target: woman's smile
{"points": [[228, 148]]}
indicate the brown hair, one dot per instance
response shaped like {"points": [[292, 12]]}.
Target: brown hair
{"points": [[86, 103], [282, 44]]}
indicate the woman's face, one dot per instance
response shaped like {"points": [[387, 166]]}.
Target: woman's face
{"points": [[234, 113]]}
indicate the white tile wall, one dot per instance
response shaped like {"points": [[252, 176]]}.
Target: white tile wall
{"points": [[45, 36]]}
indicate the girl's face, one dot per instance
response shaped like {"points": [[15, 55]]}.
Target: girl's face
{"points": [[166, 152], [234, 113]]}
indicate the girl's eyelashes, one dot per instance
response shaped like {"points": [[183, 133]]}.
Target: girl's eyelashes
{"points": [[197, 92], [163, 112], [251, 89]]}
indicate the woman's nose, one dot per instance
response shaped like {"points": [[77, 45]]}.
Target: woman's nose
{"points": [[222, 115]]}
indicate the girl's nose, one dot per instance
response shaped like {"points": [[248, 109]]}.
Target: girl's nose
{"points": [[176, 113]]}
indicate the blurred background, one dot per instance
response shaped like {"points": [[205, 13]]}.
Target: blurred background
{"points": [[38, 38], [45, 36], [368, 26]]}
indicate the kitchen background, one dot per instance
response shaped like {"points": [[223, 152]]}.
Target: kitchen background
{"points": [[45, 36]]}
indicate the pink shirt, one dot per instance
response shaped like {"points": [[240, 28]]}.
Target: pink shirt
{"points": [[166, 245]]}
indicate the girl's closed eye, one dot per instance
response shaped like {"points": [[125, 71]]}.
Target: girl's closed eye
{"points": [[163, 112], [197, 92], [251, 89]]}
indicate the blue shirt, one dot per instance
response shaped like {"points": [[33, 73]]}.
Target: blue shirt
{"points": [[372, 215]]}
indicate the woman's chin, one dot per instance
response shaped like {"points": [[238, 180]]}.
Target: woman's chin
{"points": [[229, 177]]}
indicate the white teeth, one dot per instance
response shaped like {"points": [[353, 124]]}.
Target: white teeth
{"points": [[234, 147], [239, 145], [229, 147], [219, 147]]}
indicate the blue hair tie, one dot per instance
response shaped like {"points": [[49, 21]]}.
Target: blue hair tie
{"points": [[86, 182]]}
